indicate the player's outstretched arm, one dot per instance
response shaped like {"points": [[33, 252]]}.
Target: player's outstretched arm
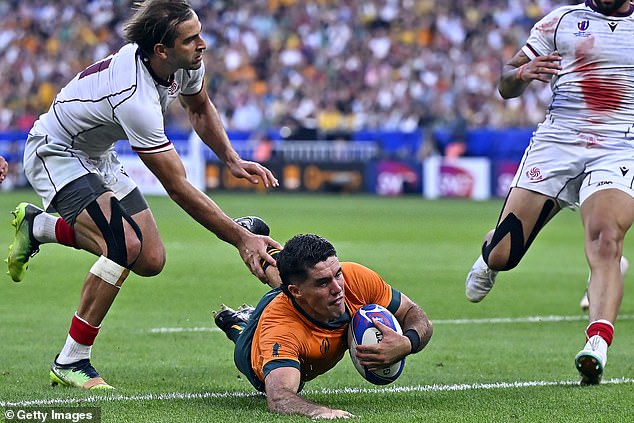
{"points": [[281, 386], [4, 168], [207, 123], [168, 167]]}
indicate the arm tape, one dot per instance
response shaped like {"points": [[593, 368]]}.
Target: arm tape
{"points": [[273, 252], [414, 338]]}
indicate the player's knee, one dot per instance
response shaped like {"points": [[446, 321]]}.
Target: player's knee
{"points": [[606, 243], [151, 262]]}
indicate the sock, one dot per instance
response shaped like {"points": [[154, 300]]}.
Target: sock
{"points": [[78, 346], [44, 227], [48, 228], [601, 327], [64, 233]]}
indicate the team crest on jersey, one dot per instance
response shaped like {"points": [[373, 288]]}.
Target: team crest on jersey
{"points": [[534, 174], [583, 27], [173, 87]]}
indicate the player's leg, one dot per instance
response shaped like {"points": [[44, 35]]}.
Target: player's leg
{"points": [[524, 214], [607, 215], [104, 226], [585, 303]]}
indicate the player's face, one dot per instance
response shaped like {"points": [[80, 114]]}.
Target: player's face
{"points": [[189, 46], [322, 294], [610, 6]]}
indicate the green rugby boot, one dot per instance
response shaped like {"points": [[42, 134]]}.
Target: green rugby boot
{"points": [[24, 245], [80, 374]]}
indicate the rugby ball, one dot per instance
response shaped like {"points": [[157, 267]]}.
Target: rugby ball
{"points": [[362, 331]]}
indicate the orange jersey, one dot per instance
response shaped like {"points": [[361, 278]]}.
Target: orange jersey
{"points": [[286, 337]]}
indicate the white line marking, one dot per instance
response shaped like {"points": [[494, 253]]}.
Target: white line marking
{"points": [[169, 396], [492, 320], [178, 330]]}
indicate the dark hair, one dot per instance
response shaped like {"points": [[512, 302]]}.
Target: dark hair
{"points": [[155, 21], [300, 253]]}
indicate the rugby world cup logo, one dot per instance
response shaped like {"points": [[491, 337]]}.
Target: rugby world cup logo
{"points": [[583, 25]]}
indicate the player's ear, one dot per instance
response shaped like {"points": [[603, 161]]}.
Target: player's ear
{"points": [[294, 291], [160, 50]]}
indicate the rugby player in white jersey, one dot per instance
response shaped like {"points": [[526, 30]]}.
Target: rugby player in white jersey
{"points": [[581, 156], [69, 161]]}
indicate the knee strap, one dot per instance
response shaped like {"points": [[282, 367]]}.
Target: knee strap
{"points": [[109, 271], [512, 227], [113, 232]]}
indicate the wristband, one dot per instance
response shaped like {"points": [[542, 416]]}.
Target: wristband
{"points": [[273, 252], [414, 338], [519, 72]]}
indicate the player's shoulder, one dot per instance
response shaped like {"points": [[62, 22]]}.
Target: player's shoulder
{"points": [[124, 67], [355, 269]]}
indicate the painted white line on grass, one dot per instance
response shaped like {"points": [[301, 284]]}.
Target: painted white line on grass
{"points": [[492, 320], [169, 396], [528, 319], [178, 330]]}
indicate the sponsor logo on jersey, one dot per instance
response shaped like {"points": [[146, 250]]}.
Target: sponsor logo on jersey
{"points": [[624, 170], [612, 25], [600, 184], [276, 350], [534, 174]]}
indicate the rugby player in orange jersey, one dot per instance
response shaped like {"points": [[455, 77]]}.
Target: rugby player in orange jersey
{"points": [[298, 330]]}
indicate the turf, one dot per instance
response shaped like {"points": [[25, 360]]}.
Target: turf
{"points": [[158, 346]]}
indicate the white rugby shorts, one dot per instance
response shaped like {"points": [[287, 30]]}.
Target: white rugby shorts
{"points": [[50, 165], [570, 166]]}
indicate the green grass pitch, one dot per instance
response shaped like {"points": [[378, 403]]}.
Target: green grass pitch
{"points": [[492, 361]]}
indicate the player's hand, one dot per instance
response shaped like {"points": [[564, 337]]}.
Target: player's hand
{"points": [[4, 168], [541, 68], [392, 348], [253, 252], [253, 172]]}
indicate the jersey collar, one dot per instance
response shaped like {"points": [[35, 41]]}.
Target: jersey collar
{"points": [[335, 324], [146, 62]]}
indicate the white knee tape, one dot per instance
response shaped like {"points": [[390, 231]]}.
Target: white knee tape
{"points": [[109, 271]]}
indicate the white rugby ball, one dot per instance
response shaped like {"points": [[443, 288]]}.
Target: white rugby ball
{"points": [[362, 331]]}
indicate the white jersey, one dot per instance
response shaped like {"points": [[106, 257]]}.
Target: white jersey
{"points": [[594, 91], [116, 99]]}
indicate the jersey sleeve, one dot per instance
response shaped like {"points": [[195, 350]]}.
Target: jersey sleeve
{"points": [[278, 344], [143, 124], [541, 40]]}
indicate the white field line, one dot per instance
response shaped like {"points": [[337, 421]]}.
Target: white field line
{"points": [[169, 396], [493, 320]]}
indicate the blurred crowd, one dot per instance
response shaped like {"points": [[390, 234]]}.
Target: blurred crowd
{"points": [[331, 66]]}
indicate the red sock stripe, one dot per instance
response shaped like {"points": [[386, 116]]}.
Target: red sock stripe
{"points": [[82, 332], [604, 330], [64, 233]]}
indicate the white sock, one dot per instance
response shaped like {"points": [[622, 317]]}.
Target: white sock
{"points": [[44, 228], [73, 351]]}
